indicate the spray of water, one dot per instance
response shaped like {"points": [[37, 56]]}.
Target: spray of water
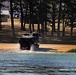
{"points": [[32, 48], [17, 49]]}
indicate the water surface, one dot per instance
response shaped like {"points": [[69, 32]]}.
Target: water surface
{"points": [[32, 63]]}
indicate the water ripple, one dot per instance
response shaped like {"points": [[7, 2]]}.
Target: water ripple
{"points": [[41, 64]]}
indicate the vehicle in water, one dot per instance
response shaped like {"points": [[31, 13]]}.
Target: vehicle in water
{"points": [[29, 39]]}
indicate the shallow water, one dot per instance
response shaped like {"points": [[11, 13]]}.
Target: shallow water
{"points": [[34, 63]]}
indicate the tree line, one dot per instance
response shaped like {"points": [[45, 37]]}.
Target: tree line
{"points": [[36, 11]]}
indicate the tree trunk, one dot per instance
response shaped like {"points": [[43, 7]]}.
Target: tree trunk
{"points": [[30, 17], [38, 27], [71, 28], [0, 26], [60, 6], [53, 17], [72, 25], [71, 31], [25, 18], [0, 18], [0, 23], [22, 27], [46, 21], [63, 33], [42, 30], [33, 28], [46, 26], [12, 20]]}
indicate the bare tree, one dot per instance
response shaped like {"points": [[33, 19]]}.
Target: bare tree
{"points": [[59, 15], [12, 20]]}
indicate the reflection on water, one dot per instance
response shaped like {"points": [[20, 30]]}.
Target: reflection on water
{"points": [[37, 64]]}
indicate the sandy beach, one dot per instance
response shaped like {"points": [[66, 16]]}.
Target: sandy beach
{"points": [[9, 47]]}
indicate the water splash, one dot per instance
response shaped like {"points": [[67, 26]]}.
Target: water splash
{"points": [[33, 48], [18, 50]]}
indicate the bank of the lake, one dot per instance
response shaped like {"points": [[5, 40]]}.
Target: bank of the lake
{"points": [[14, 47]]}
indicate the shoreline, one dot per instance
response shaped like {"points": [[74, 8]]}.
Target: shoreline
{"points": [[57, 48]]}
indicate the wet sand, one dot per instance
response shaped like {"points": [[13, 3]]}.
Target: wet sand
{"points": [[9, 47]]}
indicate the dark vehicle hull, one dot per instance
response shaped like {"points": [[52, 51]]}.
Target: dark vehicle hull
{"points": [[26, 41]]}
